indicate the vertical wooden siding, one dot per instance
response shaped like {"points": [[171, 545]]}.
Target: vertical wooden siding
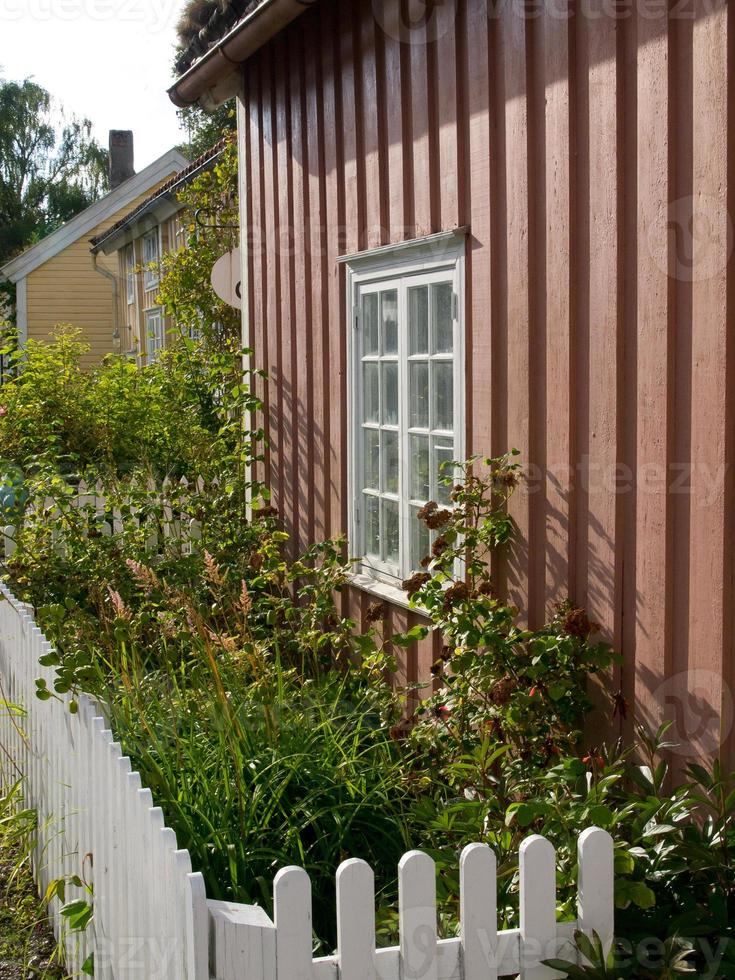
{"points": [[592, 159]]}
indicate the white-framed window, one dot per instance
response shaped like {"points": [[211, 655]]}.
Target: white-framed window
{"points": [[130, 273], [151, 254], [406, 397], [154, 333]]}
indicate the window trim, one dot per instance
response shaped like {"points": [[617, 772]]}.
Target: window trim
{"points": [[435, 253], [152, 277], [130, 289], [150, 353]]}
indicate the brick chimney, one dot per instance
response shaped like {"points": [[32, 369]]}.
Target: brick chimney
{"points": [[121, 157]]}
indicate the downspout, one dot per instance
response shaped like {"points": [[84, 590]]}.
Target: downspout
{"points": [[116, 335], [246, 327]]}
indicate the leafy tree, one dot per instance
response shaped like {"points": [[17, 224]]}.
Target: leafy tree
{"points": [[205, 128], [51, 167]]}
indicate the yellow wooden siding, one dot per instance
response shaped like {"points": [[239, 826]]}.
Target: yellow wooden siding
{"points": [[66, 289]]}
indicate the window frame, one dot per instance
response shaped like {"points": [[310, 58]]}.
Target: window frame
{"points": [[130, 274], [437, 257], [150, 350], [151, 277]]}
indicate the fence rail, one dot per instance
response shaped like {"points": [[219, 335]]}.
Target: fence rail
{"points": [[152, 920]]}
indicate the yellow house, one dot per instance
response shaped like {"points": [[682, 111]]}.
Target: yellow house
{"points": [[59, 281], [134, 246]]}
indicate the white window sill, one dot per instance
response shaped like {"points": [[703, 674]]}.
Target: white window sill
{"points": [[383, 590]]}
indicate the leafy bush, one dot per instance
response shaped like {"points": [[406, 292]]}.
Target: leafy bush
{"points": [[231, 682], [212, 229], [496, 753], [520, 688], [178, 416], [262, 720], [674, 872]]}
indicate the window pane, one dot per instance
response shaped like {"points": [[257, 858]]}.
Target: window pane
{"points": [[370, 323], [420, 468], [372, 525], [442, 324], [390, 461], [418, 314], [443, 453], [420, 544], [391, 536], [443, 383], [371, 466], [371, 404], [389, 375], [389, 310], [419, 394]]}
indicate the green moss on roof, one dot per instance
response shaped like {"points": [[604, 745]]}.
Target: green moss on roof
{"points": [[205, 22]]}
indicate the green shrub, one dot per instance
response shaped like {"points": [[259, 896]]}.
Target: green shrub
{"points": [[238, 692], [180, 416], [262, 720], [211, 229], [500, 684]]}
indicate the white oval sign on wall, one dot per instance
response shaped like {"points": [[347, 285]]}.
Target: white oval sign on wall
{"points": [[226, 278]]}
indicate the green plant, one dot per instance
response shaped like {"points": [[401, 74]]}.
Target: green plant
{"points": [[212, 228], [256, 716], [501, 685], [259, 771], [181, 416], [674, 871], [77, 913], [25, 937], [674, 961]]}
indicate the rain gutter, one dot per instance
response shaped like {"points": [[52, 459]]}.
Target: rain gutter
{"points": [[214, 77]]}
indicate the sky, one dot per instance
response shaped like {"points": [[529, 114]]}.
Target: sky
{"points": [[106, 60]]}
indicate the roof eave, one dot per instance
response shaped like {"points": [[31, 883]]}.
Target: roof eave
{"points": [[214, 77], [159, 210], [81, 224], [163, 204]]}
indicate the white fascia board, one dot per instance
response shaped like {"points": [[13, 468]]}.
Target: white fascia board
{"points": [[123, 196]]}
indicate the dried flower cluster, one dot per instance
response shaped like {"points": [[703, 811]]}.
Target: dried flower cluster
{"points": [[434, 516]]}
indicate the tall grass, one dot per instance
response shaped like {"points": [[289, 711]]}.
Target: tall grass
{"points": [[255, 774]]}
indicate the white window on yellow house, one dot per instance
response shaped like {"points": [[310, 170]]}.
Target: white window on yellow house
{"points": [[130, 273], [154, 332], [151, 257]]}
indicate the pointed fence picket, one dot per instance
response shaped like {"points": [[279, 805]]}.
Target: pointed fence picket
{"points": [[152, 920], [95, 820]]}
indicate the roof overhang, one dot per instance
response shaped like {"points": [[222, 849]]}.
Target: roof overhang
{"points": [[89, 219], [214, 78], [161, 205], [145, 219]]}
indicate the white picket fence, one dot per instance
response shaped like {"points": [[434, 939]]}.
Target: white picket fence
{"points": [[152, 920], [97, 821], [172, 525]]}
